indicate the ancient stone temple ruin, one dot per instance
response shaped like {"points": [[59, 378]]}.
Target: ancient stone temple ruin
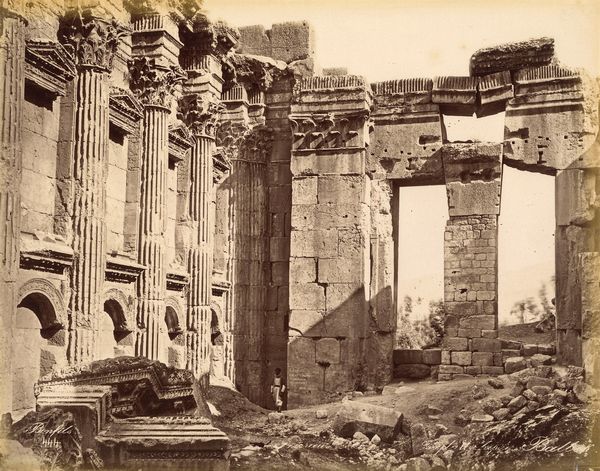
{"points": [[181, 190]]}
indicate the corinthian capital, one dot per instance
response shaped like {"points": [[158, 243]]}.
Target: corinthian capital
{"points": [[201, 115], [92, 40], [153, 84]]}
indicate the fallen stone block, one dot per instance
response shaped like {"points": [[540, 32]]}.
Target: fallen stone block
{"points": [[512, 56], [514, 364], [417, 464], [511, 344], [321, 414], [535, 381], [496, 383], [367, 418], [547, 349], [418, 435], [517, 403], [539, 359], [530, 349], [501, 413]]}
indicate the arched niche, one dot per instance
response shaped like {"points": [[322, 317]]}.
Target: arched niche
{"points": [[173, 340], [38, 343]]}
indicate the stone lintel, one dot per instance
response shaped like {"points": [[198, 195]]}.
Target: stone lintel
{"points": [[512, 56], [473, 174], [494, 90], [177, 281], [404, 92]]}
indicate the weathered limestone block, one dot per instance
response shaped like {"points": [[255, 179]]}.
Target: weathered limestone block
{"points": [[590, 309], [190, 442], [512, 56], [472, 173], [455, 95], [552, 121], [408, 131], [369, 419], [329, 234], [289, 41], [494, 90]]}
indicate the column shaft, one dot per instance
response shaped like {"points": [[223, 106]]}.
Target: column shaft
{"points": [[201, 256], [152, 283], [89, 227], [12, 60]]}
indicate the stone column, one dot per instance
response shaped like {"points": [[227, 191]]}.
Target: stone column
{"points": [[94, 42], [153, 85], [12, 61], [330, 232], [473, 184], [200, 115]]}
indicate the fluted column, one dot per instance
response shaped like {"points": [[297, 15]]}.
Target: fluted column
{"points": [[94, 42], [153, 84], [12, 60], [200, 116]]}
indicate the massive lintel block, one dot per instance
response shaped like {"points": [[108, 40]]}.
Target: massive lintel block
{"points": [[455, 95], [289, 41], [408, 132], [512, 56], [473, 174], [552, 121], [330, 225]]}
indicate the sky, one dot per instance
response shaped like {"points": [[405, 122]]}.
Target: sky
{"points": [[383, 40]]}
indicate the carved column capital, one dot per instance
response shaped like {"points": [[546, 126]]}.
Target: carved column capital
{"points": [[92, 40], [200, 114], [152, 84]]}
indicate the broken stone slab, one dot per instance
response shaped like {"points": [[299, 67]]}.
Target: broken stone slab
{"points": [[90, 406], [517, 403], [512, 56], [501, 413], [367, 418], [496, 383], [140, 386], [155, 441]]}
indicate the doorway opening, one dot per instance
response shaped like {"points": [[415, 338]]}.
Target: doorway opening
{"points": [[526, 252]]}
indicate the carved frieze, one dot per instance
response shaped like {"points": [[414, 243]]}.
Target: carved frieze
{"points": [[92, 40], [49, 66], [153, 84], [330, 131], [200, 114]]}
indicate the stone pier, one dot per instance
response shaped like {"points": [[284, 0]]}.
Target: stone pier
{"points": [[330, 233], [473, 175]]}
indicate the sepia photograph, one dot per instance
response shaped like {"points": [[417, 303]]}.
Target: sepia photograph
{"points": [[282, 235]]}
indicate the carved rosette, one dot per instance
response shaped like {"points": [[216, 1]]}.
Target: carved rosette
{"points": [[93, 41], [200, 115], [152, 84]]}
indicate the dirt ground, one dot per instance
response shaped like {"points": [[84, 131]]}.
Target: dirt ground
{"points": [[526, 333], [302, 441]]}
